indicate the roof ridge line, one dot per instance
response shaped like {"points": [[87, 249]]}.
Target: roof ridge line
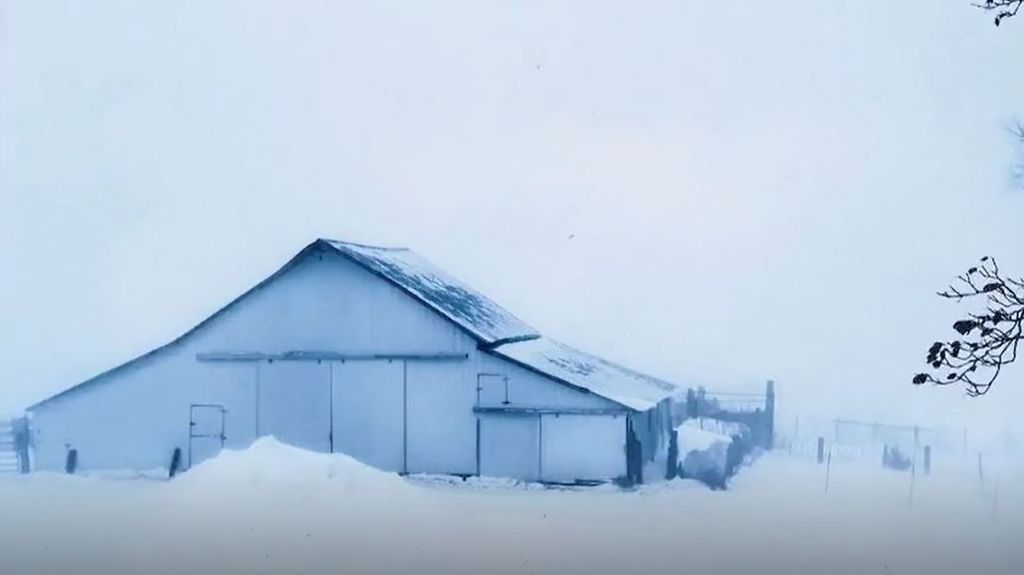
{"points": [[367, 246]]}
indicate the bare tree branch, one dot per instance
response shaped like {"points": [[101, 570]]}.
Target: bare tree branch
{"points": [[1003, 8], [988, 340]]}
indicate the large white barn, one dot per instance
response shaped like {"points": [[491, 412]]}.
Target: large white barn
{"points": [[375, 353]]}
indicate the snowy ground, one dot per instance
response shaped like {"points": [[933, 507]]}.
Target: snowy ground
{"points": [[278, 510]]}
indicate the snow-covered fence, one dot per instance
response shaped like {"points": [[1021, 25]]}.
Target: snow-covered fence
{"points": [[13, 446], [907, 437], [808, 448], [754, 410]]}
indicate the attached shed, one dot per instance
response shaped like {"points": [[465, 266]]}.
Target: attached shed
{"points": [[375, 353]]}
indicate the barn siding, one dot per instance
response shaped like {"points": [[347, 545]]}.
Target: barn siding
{"points": [[134, 418]]}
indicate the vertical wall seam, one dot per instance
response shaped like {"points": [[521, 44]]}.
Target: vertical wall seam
{"points": [[330, 379], [540, 447], [405, 417], [257, 400]]}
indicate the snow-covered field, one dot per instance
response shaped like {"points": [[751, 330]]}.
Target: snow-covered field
{"points": [[274, 509]]}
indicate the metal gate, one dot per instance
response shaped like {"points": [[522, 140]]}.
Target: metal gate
{"points": [[14, 446], [205, 431]]}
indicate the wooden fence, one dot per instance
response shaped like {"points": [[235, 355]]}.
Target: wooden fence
{"points": [[13, 446], [755, 410]]}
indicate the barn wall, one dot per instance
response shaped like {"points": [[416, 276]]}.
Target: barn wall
{"points": [[583, 447], [568, 446], [326, 302], [530, 389], [134, 418]]}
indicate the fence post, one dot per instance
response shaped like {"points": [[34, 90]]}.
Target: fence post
{"points": [[927, 459], [172, 470], [769, 414], [72, 461], [20, 430], [672, 465], [913, 477], [828, 470], [821, 449]]}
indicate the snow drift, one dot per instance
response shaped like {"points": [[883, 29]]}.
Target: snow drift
{"points": [[711, 450], [703, 454], [274, 509], [268, 461]]}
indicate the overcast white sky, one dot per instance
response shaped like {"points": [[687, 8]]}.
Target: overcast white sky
{"points": [[717, 193]]}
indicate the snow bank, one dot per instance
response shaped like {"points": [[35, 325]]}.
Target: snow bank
{"points": [[258, 513], [282, 478], [268, 461]]}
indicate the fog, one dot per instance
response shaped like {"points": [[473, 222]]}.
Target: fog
{"points": [[715, 193]]}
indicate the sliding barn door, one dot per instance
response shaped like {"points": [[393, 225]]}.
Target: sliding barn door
{"points": [[295, 403], [369, 412]]}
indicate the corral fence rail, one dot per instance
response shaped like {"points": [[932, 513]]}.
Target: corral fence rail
{"points": [[14, 457]]}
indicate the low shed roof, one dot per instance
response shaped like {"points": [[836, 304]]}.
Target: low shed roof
{"points": [[578, 369]]}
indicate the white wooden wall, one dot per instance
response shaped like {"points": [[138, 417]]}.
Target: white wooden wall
{"points": [[411, 416]]}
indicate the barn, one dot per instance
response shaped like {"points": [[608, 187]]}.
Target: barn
{"points": [[375, 353]]}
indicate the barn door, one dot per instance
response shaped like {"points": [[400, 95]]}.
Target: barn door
{"points": [[369, 412], [206, 432], [294, 403], [510, 445]]}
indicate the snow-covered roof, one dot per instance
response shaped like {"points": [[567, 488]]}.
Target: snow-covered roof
{"points": [[468, 308], [578, 369]]}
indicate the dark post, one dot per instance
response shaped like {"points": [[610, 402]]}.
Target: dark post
{"points": [[634, 456], [769, 414], [72, 461], [821, 450], [691, 404], [175, 462], [673, 456], [927, 459], [828, 470], [19, 427]]}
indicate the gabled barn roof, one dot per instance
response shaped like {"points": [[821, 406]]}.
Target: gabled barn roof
{"points": [[485, 320], [578, 369], [495, 329]]}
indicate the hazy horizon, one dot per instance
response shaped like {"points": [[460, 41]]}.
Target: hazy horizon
{"points": [[714, 194]]}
